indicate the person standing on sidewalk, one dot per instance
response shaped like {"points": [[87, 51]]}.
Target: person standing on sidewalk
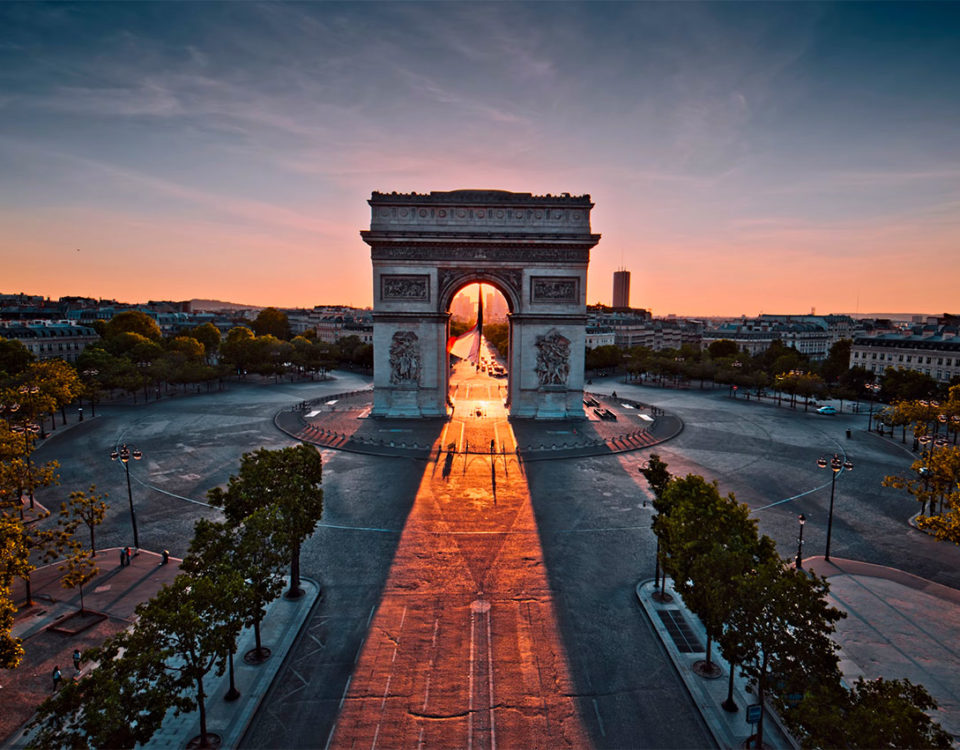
{"points": [[76, 659], [56, 678]]}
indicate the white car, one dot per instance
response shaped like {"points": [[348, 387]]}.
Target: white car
{"points": [[827, 410]]}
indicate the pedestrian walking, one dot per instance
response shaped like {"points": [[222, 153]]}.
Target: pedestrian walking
{"points": [[123, 557], [129, 555], [76, 659], [56, 678]]}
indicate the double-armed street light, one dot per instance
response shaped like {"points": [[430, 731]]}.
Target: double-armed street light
{"points": [[836, 465], [124, 454], [802, 519]]}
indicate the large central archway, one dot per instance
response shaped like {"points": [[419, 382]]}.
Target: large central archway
{"points": [[425, 248]]}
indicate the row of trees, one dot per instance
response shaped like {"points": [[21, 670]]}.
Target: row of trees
{"points": [[780, 367], [28, 534], [133, 356], [933, 479], [772, 621], [232, 572]]}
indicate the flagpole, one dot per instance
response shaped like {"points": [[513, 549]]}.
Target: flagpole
{"points": [[479, 327]]}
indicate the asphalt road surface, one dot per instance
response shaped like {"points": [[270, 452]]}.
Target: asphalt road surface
{"points": [[525, 630]]}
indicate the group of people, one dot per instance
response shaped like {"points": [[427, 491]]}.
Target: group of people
{"points": [[58, 676]]}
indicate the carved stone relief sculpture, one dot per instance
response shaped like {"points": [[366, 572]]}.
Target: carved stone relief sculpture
{"points": [[410, 287], [405, 358], [554, 289], [553, 359]]}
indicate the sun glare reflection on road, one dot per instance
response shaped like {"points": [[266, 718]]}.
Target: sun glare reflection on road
{"points": [[464, 649]]}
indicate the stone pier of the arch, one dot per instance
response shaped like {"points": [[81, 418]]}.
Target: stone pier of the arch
{"points": [[534, 249]]}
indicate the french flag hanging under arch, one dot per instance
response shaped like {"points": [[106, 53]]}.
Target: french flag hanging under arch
{"points": [[467, 345]]}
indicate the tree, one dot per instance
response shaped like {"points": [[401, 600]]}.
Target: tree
{"points": [[907, 385], [208, 335], [88, 509], [837, 361], [79, 569], [14, 358], [874, 713], [288, 478], [781, 625], [11, 647], [657, 476], [121, 703], [713, 543], [722, 348], [57, 380], [236, 350], [273, 322], [191, 624], [254, 549], [132, 321]]}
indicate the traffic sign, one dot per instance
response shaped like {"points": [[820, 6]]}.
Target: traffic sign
{"points": [[753, 713]]}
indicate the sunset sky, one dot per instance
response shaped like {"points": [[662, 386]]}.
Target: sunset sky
{"points": [[742, 158]]}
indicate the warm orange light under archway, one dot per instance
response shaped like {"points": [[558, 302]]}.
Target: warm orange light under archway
{"points": [[464, 649]]}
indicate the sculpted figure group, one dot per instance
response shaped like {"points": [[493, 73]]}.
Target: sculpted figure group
{"points": [[553, 359], [404, 358]]}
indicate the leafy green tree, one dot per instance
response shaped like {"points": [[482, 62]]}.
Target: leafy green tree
{"points": [[121, 703], [837, 361], [271, 322], [132, 321], [11, 647], [907, 385], [659, 478], [237, 349], [87, 508], [58, 380], [722, 348], [603, 357], [254, 549], [713, 544], [78, 570], [14, 358], [780, 629], [192, 623], [873, 714], [288, 478], [208, 335]]}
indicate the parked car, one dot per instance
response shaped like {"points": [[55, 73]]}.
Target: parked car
{"points": [[827, 410]]}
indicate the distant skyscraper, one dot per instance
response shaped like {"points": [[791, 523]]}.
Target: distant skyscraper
{"points": [[621, 288]]}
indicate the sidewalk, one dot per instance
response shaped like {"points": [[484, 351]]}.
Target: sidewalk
{"points": [[114, 594], [684, 639], [897, 626]]}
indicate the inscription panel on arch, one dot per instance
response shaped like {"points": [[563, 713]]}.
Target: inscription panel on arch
{"points": [[554, 289], [405, 288]]}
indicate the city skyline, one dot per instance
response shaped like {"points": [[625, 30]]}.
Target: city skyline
{"points": [[742, 158]]}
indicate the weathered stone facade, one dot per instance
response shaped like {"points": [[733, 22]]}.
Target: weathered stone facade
{"points": [[533, 249]]}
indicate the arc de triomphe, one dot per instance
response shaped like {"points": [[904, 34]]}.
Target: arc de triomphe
{"points": [[533, 249]]}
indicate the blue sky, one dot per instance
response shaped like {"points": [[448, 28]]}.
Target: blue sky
{"points": [[742, 157]]}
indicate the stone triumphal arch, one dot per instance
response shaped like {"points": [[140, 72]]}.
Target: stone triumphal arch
{"points": [[533, 249]]}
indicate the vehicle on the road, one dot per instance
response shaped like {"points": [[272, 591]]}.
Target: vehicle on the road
{"points": [[827, 410]]}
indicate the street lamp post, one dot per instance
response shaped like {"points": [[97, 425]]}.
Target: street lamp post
{"points": [[124, 455], [836, 465], [802, 519], [874, 389]]}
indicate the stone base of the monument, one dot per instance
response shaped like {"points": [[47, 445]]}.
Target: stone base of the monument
{"points": [[553, 404]]}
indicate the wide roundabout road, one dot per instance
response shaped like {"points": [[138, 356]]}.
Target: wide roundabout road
{"points": [[591, 516]]}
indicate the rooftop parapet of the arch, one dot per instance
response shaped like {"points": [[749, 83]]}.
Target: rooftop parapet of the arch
{"points": [[484, 211]]}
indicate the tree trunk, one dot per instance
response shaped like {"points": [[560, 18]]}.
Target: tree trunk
{"points": [[63, 414], [201, 705], [709, 651], [82, 610], [256, 636], [93, 541], [295, 591]]}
